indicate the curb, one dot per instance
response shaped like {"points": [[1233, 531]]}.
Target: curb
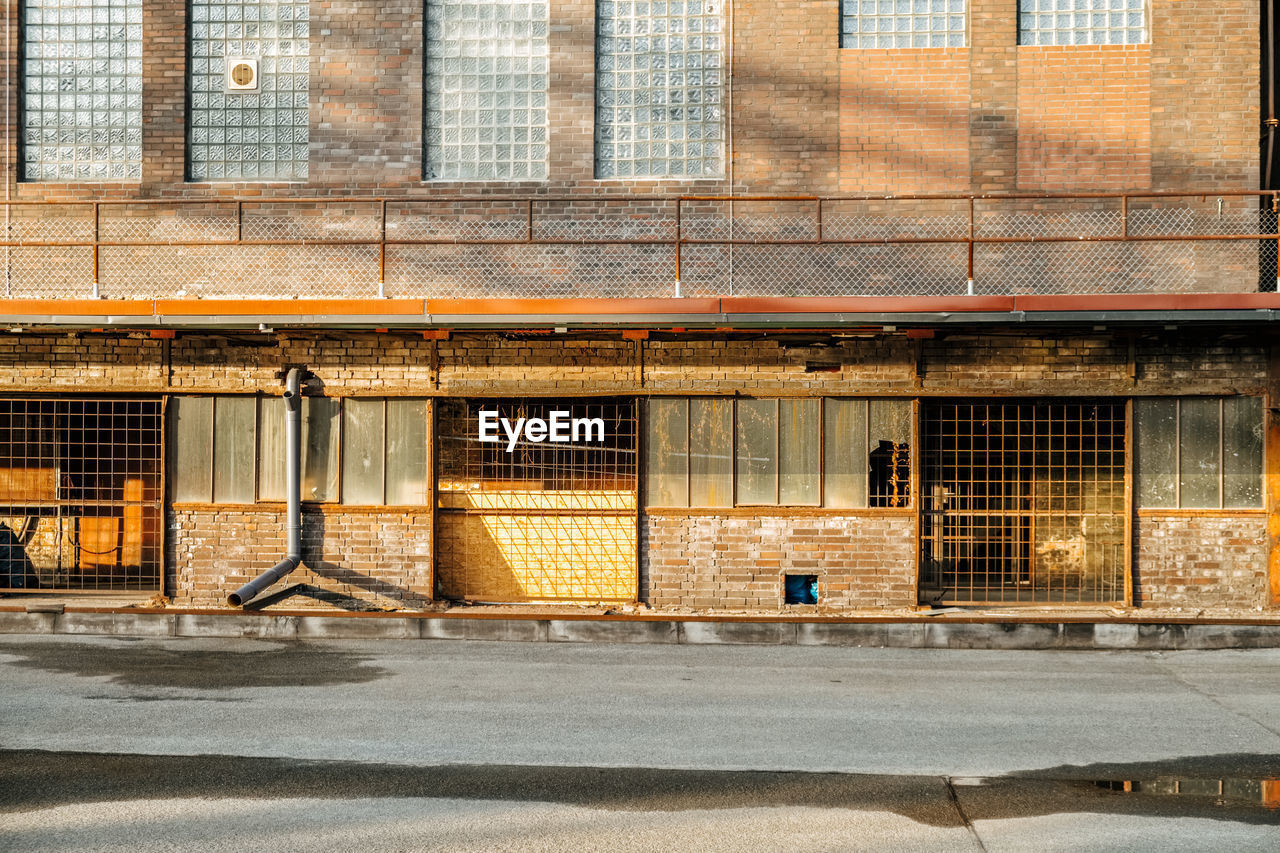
{"points": [[1074, 635]]}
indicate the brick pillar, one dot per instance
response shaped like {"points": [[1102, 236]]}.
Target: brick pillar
{"points": [[786, 96], [164, 94], [571, 98], [366, 92], [1272, 477], [993, 95], [1205, 76], [13, 165]]}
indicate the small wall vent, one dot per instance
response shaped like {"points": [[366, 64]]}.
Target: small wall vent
{"points": [[242, 74]]}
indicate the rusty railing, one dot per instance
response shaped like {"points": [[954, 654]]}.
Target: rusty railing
{"points": [[643, 246]]}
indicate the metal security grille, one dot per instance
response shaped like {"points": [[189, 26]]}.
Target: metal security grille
{"points": [[80, 495], [1023, 502], [537, 519]]}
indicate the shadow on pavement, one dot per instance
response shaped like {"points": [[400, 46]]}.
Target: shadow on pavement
{"points": [[32, 780]]}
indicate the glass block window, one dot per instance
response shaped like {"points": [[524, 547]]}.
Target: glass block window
{"points": [[902, 23], [486, 75], [82, 90], [660, 88], [1082, 22], [250, 135]]}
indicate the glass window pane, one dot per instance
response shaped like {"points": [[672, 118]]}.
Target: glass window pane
{"points": [[844, 453], [406, 470], [660, 89], [271, 449], [233, 443], [666, 452], [925, 19], [889, 452], [362, 451], [1199, 462], [1242, 431], [757, 452], [711, 452], [486, 80], [319, 448], [82, 90], [1084, 22], [260, 134], [798, 434], [191, 429], [1156, 443]]}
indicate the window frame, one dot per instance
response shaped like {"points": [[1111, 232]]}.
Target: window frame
{"points": [[841, 15], [821, 505], [1146, 28], [601, 173], [445, 170], [300, 168], [339, 457], [1176, 441], [21, 52]]}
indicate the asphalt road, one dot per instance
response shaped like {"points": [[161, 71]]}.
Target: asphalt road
{"points": [[234, 745]]}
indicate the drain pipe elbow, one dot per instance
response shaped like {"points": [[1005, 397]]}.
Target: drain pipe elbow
{"points": [[293, 495]]}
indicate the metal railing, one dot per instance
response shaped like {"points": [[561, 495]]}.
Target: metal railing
{"points": [[642, 246]]}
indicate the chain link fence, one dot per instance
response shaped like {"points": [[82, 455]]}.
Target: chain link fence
{"points": [[640, 247]]}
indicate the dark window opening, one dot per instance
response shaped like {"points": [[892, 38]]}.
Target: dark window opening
{"points": [[800, 589]]}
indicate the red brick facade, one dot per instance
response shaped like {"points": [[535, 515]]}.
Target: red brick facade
{"points": [[803, 117], [1199, 562], [731, 559], [736, 562]]}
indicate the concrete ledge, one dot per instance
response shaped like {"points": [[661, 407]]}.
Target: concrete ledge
{"points": [[269, 627], [116, 624], [328, 628], [868, 633], [509, 630], [583, 631], [738, 633], [27, 623], [994, 635]]}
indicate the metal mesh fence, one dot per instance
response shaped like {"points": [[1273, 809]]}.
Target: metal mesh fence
{"points": [[640, 247]]}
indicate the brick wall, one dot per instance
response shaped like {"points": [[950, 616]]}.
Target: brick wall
{"points": [[1204, 93], [1084, 118], [1003, 365], [380, 557], [786, 96], [371, 364], [67, 364], [737, 562], [904, 120], [806, 116], [728, 366], [1200, 561], [366, 93]]}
